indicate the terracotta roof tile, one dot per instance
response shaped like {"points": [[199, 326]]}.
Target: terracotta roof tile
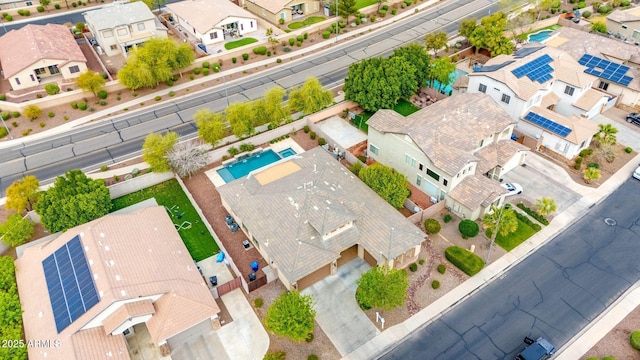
{"points": [[589, 99], [475, 191], [127, 312], [497, 154], [272, 6], [205, 15]]}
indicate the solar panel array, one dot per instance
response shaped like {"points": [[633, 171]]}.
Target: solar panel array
{"points": [[526, 51], [536, 70], [491, 68], [70, 284], [548, 124], [605, 69]]}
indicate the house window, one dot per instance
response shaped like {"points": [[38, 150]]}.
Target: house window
{"points": [[33, 78], [122, 32], [29, 3], [624, 26], [419, 180], [506, 98], [433, 174], [107, 34], [420, 167], [584, 143], [74, 69], [481, 143], [409, 160], [445, 182], [636, 34], [140, 26], [373, 149], [251, 24], [603, 85], [40, 71], [213, 35], [18, 81], [569, 90], [241, 26], [114, 47], [482, 88]]}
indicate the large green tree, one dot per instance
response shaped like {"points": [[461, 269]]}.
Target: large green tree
{"points": [[436, 41], [467, 27], [10, 310], [606, 135], [274, 108], [90, 81], [508, 222], [441, 71], [22, 194], [241, 118], [211, 126], [346, 8], [74, 199], [490, 34], [415, 55], [310, 97], [545, 206], [291, 315], [16, 230], [382, 287], [388, 183], [155, 149], [378, 83]]}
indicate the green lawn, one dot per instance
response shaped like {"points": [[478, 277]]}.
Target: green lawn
{"points": [[405, 108], [361, 121], [364, 3], [238, 43], [306, 22], [197, 238], [512, 240]]}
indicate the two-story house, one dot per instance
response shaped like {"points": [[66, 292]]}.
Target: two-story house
{"points": [[453, 150], [625, 24], [120, 26], [285, 10]]}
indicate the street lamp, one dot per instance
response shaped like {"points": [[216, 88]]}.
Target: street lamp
{"points": [[226, 94]]}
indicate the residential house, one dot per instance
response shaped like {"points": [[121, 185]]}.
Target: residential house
{"points": [[615, 63], [16, 4], [539, 77], [120, 26], [287, 10], [213, 21], [625, 24], [453, 150], [92, 284], [35, 52], [308, 215]]}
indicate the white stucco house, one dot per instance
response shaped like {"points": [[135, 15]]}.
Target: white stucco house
{"points": [[120, 26], [212, 21], [455, 150]]}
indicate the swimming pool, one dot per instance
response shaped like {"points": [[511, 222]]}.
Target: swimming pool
{"points": [[540, 36], [244, 165], [453, 76]]}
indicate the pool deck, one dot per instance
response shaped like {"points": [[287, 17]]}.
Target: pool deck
{"points": [[218, 181]]}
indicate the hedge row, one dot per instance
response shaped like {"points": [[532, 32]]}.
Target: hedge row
{"points": [[541, 219], [528, 221], [464, 260]]}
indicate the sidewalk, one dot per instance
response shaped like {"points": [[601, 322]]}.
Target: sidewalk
{"points": [[577, 346]]}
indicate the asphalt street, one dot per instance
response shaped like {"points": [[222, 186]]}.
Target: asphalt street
{"points": [[554, 292], [116, 139]]}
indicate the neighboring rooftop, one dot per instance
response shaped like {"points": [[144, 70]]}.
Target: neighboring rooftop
{"points": [[626, 15], [272, 6], [205, 15], [118, 14], [476, 190], [23, 47], [572, 128]]}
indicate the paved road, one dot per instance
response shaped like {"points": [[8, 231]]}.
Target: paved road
{"points": [[555, 292], [121, 137]]}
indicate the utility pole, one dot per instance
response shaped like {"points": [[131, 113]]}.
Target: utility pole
{"points": [[493, 235]]}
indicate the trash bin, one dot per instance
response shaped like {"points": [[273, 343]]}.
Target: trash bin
{"points": [[213, 280], [254, 266], [252, 276]]}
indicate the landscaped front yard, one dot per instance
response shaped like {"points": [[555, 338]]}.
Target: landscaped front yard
{"points": [[192, 230], [516, 238], [238, 43], [306, 22]]}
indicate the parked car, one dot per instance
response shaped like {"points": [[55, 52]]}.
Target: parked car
{"points": [[513, 188], [539, 349], [633, 118], [636, 173]]}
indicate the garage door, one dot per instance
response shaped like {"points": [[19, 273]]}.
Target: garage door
{"points": [[314, 276], [189, 334], [348, 255], [370, 259]]}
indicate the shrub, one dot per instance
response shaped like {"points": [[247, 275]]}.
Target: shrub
{"points": [[245, 56], [305, 36], [635, 340], [52, 89], [586, 152], [594, 165], [116, 178], [306, 129], [413, 267], [104, 168], [355, 168], [40, 8], [300, 38], [394, 11], [57, 6], [269, 53], [312, 135], [233, 151], [586, 14], [385, 7], [246, 147], [102, 94], [14, 124], [260, 50], [322, 141], [15, 114], [82, 105], [312, 357], [157, 98], [326, 34], [464, 260], [528, 221], [278, 61], [5, 115], [432, 226], [605, 9], [233, 60], [447, 218], [205, 72], [191, 77], [26, 132], [3, 132], [280, 355], [258, 303], [382, 13], [51, 114], [435, 284], [172, 93], [206, 65], [169, 82], [362, 158], [298, 43], [309, 338], [9, 18], [421, 261], [442, 268], [286, 49], [3, 97], [197, 71], [578, 163], [468, 228], [42, 124], [372, 18], [628, 150], [292, 41]]}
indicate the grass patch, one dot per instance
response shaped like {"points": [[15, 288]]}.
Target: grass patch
{"points": [[464, 260], [306, 22], [364, 3], [516, 238], [238, 43], [405, 108], [198, 239], [361, 121]]}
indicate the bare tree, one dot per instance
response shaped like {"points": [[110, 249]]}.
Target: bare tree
{"points": [[185, 159]]}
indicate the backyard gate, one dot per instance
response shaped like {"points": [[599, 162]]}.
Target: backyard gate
{"points": [[229, 286]]}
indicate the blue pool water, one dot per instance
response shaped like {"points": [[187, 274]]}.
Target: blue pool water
{"points": [[540, 36], [453, 76], [244, 166]]}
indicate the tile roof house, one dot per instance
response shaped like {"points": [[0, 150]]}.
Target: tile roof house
{"points": [[307, 215], [213, 21], [453, 150], [287, 10], [119, 26], [35, 52], [89, 286], [625, 24], [538, 77]]}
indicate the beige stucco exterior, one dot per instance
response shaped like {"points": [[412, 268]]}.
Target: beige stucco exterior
{"points": [[46, 68], [274, 16]]}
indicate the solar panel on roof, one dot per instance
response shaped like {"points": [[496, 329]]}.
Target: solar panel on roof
{"points": [[548, 124], [605, 69], [526, 51], [491, 68], [536, 70], [69, 283]]}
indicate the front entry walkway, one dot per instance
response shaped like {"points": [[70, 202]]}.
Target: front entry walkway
{"points": [[338, 312]]}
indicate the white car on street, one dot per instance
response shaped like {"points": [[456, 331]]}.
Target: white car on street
{"points": [[513, 188], [636, 173]]}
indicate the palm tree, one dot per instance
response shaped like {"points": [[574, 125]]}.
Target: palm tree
{"points": [[545, 206], [508, 220], [606, 135], [589, 174]]}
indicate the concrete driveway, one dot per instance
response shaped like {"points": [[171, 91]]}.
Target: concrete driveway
{"points": [[543, 178], [338, 313], [628, 134]]}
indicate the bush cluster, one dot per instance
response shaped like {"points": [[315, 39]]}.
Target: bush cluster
{"points": [[468, 228], [258, 303], [247, 147], [442, 268], [306, 129], [541, 219], [635, 340], [432, 226], [82, 105], [578, 164], [435, 284], [586, 152], [102, 94], [245, 56], [464, 260], [7, 17], [628, 149], [3, 132], [260, 50], [24, 12], [312, 135], [322, 141], [528, 221], [447, 218], [413, 267]]}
